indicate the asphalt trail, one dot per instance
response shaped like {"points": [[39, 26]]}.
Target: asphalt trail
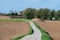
{"points": [[36, 34]]}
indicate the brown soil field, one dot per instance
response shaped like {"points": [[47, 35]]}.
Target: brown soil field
{"points": [[52, 27], [4, 17], [12, 29]]}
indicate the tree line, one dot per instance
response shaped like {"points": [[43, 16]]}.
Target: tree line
{"points": [[43, 13]]}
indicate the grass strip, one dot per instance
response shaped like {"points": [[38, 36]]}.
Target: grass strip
{"points": [[45, 35], [11, 20], [17, 20]]}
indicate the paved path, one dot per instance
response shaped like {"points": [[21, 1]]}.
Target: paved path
{"points": [[36, 34]]}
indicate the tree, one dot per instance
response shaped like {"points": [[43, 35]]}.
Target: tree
{"points": [[29, 13], [42, 13], [11, 13], [51, 14], [58, 15], [36, 14]]}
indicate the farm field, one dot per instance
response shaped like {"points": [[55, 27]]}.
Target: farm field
{"points": [[52, 27], [4, 17], [9, 30], [13, 28]]}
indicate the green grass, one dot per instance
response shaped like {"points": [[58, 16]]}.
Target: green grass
{"points": [[18, 37], [11, 20], [45, 35]]}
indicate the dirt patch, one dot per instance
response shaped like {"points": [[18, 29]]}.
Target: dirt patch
{"points": [[52, 27], [12, 29], [37, 20], [4, 17]]}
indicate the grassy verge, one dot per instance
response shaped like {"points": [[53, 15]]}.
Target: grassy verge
{"points": [[11, 20], [45, 35], [18, 20], [21, 36]]}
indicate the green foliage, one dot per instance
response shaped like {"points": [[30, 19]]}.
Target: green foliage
{"points": [[43, 14], [29, 13], [11, 13], [58, 15], [51, 14]]}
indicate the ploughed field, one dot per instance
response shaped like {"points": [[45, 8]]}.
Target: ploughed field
{"points": [[52, 27], [9, 30], [4, 17]]}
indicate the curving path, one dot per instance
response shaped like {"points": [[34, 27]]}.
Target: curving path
{"points": [[36, 34]]}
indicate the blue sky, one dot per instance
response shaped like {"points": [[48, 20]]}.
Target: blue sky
{"points": [[18, 5]]}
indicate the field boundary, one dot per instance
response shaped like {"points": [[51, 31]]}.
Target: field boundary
{"points": [[21, 36], [45, 35]]}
